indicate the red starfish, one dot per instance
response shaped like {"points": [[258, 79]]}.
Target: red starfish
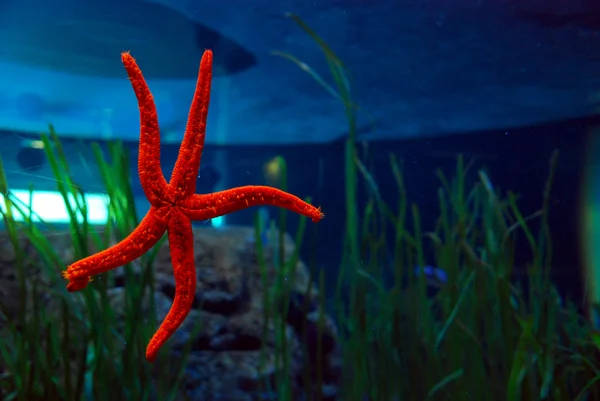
{"points": [[174, 205]]}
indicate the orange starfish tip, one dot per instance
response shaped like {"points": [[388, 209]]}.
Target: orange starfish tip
{"points": [[151, 355], [76, 284], [321, 215]]}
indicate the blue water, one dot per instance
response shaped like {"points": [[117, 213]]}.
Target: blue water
{"points": [[502, 82]]}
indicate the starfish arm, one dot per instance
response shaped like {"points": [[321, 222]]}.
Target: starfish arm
{"points": [[203, 207], [151, 176], [185, 172], [181, 244], [150, 230]]}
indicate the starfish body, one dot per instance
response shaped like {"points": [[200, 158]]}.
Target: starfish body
{"points": [[174, 205]]}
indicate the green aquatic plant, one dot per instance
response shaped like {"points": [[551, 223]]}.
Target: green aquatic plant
{"points": [[276, 295], [340, 90], [72, 350], [483, 336]]}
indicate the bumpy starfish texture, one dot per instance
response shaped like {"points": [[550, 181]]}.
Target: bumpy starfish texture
{"points": [[174, 205]]}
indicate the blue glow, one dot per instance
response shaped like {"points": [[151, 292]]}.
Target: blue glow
{"points": [[218, 221]]}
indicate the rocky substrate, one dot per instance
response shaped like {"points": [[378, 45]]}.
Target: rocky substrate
{"points": [[228, 353]]}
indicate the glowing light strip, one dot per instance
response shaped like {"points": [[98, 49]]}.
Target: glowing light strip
{"points": [[50, 207], [217, 222]]}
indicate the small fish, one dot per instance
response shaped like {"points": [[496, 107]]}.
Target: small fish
{"points": [[435, 274], [435, 278], [273, 171]]}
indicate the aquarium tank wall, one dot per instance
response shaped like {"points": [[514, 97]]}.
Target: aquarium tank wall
{"points": [[353, 200]]}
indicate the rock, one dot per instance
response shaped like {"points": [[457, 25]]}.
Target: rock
{"points": [[232, 355]]}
